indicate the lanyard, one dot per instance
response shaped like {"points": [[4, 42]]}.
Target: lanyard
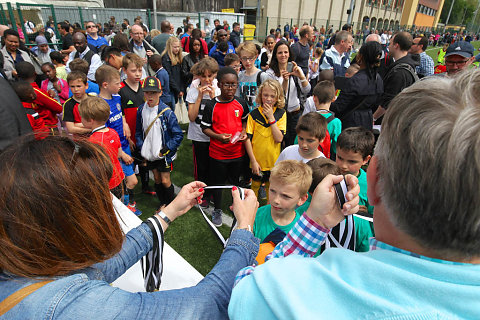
{"points": [[98, 129]]}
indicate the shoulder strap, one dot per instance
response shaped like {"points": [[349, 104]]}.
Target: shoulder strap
{"points": [[17, 297], [151, 124], [330, 118], [259, 80]]}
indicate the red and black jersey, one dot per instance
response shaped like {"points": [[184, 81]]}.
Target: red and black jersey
{"points": [[36, 121], [225, 117], [70, 111], [131, 100], [47, 107]]}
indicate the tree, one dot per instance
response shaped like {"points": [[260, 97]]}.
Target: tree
{"points": [[462, 12]]}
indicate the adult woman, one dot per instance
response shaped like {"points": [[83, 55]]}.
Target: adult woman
{"points": [[74, 240], [196, 53], [359, 96], [12, 54], [172, 62], [267, 54], [294, 84]]}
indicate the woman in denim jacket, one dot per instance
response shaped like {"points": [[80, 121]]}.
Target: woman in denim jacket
{"points": [[57, 223]]}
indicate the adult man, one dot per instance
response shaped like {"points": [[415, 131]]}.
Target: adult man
{"points": [[216, 23], [400, 73], [424, 262], [208, 30], [459, 56], [82, 51], [160, 41], [365, 32], [67, 41], [336, 58], [301, 48], [93, 38], [187, 33], [346, 27], [235, 35], [139, 46], [222, 36], [426, 67]]}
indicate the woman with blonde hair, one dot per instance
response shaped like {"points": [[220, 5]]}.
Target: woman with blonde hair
{"points": [[172, 62]]}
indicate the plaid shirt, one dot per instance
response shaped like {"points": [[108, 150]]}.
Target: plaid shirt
{"points": [[426, 67], [306, 237]]}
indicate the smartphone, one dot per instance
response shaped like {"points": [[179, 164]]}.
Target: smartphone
{"points": [[289, 67]]}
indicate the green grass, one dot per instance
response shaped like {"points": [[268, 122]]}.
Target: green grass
{"points": [[189, 235], [433, 51]]}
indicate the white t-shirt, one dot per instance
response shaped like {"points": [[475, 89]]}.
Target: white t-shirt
{"points": [[292, 153], [384, 38], [309, 106], [194, 131]]}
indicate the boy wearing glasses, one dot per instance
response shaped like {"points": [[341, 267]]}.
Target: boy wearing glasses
{"points": [[224, 120]]}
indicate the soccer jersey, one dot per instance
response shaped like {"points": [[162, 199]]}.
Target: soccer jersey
{"points": [[264, 223], [225, 117], [130, 101], [292, 153], [70, 111], [116, 120], [47, 107], [265, 149], [111, 142]]}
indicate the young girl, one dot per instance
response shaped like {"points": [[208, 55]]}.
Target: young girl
{"points": [[266, 126], [56, 88], [202, 90], [172, 62], [267, 54], [224, 120], [58, 60], [196, 54], [313, 65]]}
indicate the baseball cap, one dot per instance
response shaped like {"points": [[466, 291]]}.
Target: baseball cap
{"points": [[461, 48], [152, 84]]}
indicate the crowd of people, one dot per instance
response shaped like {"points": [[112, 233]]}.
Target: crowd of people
{"points": [[290, 121]]}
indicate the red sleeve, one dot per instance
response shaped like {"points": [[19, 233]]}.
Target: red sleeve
{"points": [[205, 47], [45, 101]]}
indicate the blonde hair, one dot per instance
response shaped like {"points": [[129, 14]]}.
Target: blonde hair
{"points": [[247, 46], [176, 59], [293, 172], [154, 33], [94, 108], [277, 88]]}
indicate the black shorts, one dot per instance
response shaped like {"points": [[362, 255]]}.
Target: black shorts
{"points": [[161, 165]]}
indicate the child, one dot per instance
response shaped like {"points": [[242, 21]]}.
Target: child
{"points": [[232, 60], [323, 96], [58, 60], [224, 121], [313, 65], [155, 62], [46, 107], [340, 235], [27, 96], [220, 53], [108, 80], [83, 66], [172, 62], [311, 130], [57, 88], [158, 136], [266, 127], [354, 149], [95, 112], [77, 82], [202, 90], [248, 79], [289, 183], [441, 54]]}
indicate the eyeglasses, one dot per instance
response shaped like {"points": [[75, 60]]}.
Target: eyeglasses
{"points": [[245, 59], [415, 43], [222, 35], [458, 63], [229, 85], [93, 26]]}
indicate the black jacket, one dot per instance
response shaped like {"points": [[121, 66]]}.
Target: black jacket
{"points": [[355, 103], [396, 79], [175, 72], [235, 38], [146, 45]]}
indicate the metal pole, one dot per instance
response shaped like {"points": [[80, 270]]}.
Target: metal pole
{"points": [[448, 16], [350, 16], [155, 25]]}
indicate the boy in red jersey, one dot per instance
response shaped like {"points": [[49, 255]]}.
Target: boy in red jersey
{"points": [[77, 81], [95, 112], [224, 120]]}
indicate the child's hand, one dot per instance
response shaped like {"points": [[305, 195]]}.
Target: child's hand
{"points": [[149, 53], [256, 168], [243, 136], [324, 208], [51, 93], [268, 111], [126, 131], [224, 137], [132, 145], [126, 158], [57, 86]]}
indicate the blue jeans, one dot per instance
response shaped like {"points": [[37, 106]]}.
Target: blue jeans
{"points": [[88, 295]]}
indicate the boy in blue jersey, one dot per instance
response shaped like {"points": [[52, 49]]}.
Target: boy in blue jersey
{"points": [[108, 80], [354, 150]]}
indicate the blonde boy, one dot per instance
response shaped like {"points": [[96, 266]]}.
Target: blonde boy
{"points": [[108, 80], [95, 112], [289, 183]]}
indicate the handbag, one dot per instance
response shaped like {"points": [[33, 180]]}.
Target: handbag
{"points": [[181, 112]]}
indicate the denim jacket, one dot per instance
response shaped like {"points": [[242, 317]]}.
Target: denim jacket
{"points": [[87, 294], [172, 133]]}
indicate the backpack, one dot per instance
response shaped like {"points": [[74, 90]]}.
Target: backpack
{"points": [[406, 66]]}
